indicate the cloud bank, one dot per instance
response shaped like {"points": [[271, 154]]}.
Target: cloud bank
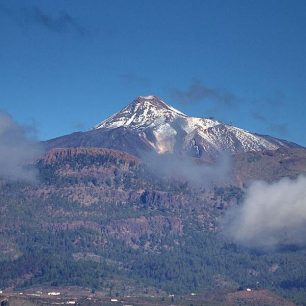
{"points": [[271, 214], [17, 151], [191, 170]]}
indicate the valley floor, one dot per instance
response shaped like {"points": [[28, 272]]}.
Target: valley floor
{"points": [[84, 297]]}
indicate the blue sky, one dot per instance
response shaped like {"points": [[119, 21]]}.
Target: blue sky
{"points": [[67, 65]]}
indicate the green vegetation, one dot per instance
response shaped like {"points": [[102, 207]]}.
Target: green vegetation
{"points": [[55, 241]]}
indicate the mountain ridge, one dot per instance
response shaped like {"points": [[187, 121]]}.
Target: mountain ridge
{"points": [[150, 124]]}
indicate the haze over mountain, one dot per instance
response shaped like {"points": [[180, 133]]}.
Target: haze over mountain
{"points": [[149, 124]]}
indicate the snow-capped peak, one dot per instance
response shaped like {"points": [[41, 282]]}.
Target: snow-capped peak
{"points": [[147, 97], [144, 111], [165, 128]]}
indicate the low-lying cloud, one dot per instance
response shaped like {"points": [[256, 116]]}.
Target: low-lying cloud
{"points": [[271, 214], [17, 151], [191, 170]]}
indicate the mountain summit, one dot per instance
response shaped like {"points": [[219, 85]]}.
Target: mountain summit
{"points": [[149, 124], [141, 113]]}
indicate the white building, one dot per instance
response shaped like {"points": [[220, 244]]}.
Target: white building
{"points": [[54, 293]]}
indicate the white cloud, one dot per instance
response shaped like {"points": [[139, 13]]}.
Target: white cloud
{"points": [[271, 214], [17, 151], [189, 169]]}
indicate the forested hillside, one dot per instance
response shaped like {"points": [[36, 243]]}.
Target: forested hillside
{"points": [[102, 219]]}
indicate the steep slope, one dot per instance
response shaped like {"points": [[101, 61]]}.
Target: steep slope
{"points": [[149, 124]]}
